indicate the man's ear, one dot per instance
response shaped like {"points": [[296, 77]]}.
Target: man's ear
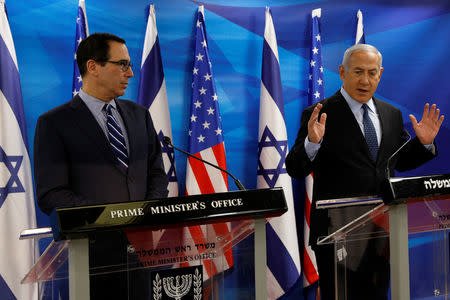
{"points": [[342, 72], [381, 71], [92, 67]]}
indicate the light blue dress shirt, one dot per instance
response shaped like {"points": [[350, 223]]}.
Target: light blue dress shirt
{"points": [[96, 107]]}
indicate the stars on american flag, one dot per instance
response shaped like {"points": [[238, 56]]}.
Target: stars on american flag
{"points": [[205, 125], [317, 95], [81, 33], [197, 104], [316, 87], [201, 138]]}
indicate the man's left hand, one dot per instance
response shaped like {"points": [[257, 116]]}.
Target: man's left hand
{"points": [[427, 129]]}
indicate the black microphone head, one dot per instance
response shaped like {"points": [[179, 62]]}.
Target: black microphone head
{"points": [[167, 140]]}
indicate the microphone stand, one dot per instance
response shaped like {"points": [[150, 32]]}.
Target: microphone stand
{"points": [[387, 189], [168, 141]]}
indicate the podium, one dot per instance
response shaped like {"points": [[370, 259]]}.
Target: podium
{"points": [[164, 248], [412, 209]]}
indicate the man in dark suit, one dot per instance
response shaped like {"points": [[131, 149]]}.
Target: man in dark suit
{"points": [[346, 140], [99, 149]]}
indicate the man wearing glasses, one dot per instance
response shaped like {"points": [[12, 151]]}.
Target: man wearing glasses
{"points": [[98, 149]]}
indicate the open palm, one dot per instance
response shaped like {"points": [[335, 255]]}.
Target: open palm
{"points": [[427, 129]]}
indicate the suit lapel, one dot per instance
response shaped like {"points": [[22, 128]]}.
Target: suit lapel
{"points": [[354, 130], [383, 116], [352, 125], [84, 120]]}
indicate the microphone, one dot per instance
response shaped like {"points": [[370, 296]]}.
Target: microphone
{"points": [[387, 190], [388, 170], [168, 141]]}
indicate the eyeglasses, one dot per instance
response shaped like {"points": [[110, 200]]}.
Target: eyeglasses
{"points": [[124, 64]]}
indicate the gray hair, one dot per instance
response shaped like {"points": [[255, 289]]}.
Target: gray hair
{"points": [[360, 47]]}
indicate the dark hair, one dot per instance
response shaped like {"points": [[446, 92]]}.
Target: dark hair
{"points": [[96, 47]]}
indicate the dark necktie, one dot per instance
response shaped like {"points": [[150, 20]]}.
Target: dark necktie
{"points": [[116, 138], [370, 133]]}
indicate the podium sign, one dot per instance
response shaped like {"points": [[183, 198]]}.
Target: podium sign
{"points": [[149, 250]]}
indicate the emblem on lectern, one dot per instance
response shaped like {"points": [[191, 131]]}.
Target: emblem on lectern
{"points": [[178, 284]]}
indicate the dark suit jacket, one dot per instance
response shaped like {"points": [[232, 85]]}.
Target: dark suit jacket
{"points": [[74, 164], [343, 166]]}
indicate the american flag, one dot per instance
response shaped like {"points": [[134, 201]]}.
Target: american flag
{"points": [[153, 95], [360, 38], [205, 140], [82, 32], [17, 211], [316, 93], [283, 256]]}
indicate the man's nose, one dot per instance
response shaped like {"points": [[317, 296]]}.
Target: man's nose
{"points": [[364, 79], [129, 72]]}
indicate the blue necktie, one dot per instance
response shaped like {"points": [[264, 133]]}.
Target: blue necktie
{"points": [[116, 138], [370, 133]]}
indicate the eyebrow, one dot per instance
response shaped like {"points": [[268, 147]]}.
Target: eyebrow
{"points": [[362, 69]]}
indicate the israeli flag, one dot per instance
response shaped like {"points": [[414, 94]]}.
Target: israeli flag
{"points": [[360, 38], [153, 95], [283, 257], [17, 210]]}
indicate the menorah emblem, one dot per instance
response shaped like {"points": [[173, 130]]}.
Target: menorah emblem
{"points": [[179, 285], [178, 289]]}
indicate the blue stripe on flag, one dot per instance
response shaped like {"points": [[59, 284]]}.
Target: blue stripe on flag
{"points": [[83, 20], [279, 260], [5, 291], [10, 86], [270, 76], [153, 76]]}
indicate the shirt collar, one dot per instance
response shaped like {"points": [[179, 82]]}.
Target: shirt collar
{"points": [[94, 104], [355, 106]]}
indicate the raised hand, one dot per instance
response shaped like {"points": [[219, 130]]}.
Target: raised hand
{"points": [[427, 129], [316, 128]]}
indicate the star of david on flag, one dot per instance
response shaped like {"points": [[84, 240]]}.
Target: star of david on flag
{"points": [[276, 148], [17, 209], [283, 257], [13, 184], [153, 95], [82, 31], [206, 141]]}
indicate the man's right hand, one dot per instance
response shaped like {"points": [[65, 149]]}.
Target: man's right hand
{"points": [[316, 127]]}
